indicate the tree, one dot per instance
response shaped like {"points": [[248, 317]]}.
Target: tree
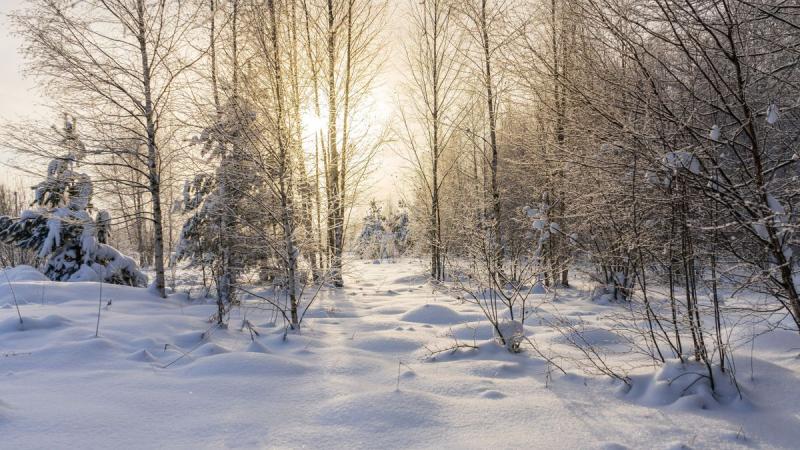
{"points": [[349, 31], [482, 21], [372, 242], [116, 64], [12, 202], [433, 56], [62, 231]]}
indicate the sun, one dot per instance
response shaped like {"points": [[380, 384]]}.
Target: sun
{"points": [[313, 123]]}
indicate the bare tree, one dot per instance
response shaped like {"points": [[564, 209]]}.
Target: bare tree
{"points": [[433, 56]]}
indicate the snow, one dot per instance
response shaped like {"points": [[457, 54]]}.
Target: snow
{"points": [[682, 160], [772, 114], [436, 315], [360, 374], [715, 133], [22, 273], [682, 385]]}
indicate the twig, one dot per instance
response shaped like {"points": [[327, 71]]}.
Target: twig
{"points": [[452, 349], [14, 295], [400, 363], [99, 307]]}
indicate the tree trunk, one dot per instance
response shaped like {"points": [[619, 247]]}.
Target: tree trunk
{"points": [[334, 197], [152, 155], [492, 113]]}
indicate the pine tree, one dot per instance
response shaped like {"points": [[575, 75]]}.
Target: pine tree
{"points": [[372, 240], [62, 231], [399, 226]]}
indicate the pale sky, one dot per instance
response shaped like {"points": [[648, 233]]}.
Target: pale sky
{"points": [[18, 96]]}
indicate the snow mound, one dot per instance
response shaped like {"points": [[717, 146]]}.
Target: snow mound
{"points": [[142, 356], [257, 347], [513, 334], [210, 349], [538, 288], [378, 412], [434, 315], [386, 344], [493, 395], [684, 386], [32, 323], [613, 446], [591, 337], [497, 370], [244, 364], [188, 339], [22, 273]]}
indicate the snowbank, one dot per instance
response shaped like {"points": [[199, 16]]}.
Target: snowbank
{"points": [[435, 315], [356, 376], [21, 273]]}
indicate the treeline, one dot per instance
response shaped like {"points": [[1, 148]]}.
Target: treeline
{"points": [[652, 142]]}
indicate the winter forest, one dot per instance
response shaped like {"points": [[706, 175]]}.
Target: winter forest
{"points": [[402, 224]]}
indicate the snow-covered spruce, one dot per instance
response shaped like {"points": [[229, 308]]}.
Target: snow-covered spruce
{"points": [[72, 245], [381, 237]]}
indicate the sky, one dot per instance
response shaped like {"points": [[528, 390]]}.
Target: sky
{"points": [[18, 96]]}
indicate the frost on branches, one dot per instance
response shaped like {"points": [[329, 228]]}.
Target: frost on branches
{"points": [[70, 242], [221, 232]]}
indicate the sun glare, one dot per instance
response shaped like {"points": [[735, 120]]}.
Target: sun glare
{"points": [[313, 123]]}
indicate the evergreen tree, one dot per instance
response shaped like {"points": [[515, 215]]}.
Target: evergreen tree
{"points": [[372, 240], [400, 228], [72, 245]]}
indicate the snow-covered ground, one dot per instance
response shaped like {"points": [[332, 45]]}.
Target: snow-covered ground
{"points": [[359, 375]]}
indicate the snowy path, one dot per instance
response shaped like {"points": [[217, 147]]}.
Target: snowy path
{"points": [[333, 386]]}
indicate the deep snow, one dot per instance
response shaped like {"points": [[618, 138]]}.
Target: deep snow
{"points": [[160, 376]]}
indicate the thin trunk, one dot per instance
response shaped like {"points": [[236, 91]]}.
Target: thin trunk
{"points": [[152, 152], [284, 169], [492, 113], [333, 163], [305, 186]]}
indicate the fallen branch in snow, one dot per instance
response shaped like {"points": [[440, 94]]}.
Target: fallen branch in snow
{"points": [[700, 376], [432, 352], [275, 304], [180, 350], [12, 354], [252, 329], [184, 354], [592, 355]]}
